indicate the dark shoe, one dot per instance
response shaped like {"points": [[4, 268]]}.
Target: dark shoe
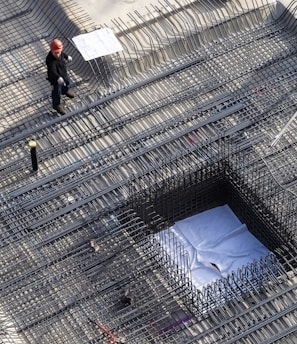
{"points": [[60, 109], [70, 94]]}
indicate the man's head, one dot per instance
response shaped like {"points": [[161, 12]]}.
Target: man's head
{"points": [[56, 47]]}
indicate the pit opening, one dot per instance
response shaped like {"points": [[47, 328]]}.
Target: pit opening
{"points": [[198, 192]]}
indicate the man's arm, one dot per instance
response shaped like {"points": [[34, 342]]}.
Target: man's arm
{"points": [[52, 72]]}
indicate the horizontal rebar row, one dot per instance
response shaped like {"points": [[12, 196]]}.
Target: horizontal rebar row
{"points": [[181, 120]]}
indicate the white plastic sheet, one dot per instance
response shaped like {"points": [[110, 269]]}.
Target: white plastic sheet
{"points": [[216, 244], [97, 43]]}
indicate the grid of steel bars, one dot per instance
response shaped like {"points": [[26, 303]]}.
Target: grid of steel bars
{"points": [[197, 99]]}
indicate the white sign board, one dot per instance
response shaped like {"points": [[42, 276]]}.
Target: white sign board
{"points": [[97, 43]]}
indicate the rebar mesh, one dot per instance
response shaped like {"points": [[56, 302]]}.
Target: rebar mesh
{"points": [[197, 111]]}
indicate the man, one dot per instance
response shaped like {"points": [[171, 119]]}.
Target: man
{"points": [[57, 74]]}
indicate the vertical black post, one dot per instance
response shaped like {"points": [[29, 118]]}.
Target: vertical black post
{"points": [[33, 145]]}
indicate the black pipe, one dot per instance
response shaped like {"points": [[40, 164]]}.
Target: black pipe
{"points": [[33, 152]]}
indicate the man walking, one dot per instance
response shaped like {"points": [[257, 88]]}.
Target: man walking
{"points": [[57, 74]]}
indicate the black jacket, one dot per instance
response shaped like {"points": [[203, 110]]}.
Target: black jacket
{"points": [[56, 67]]}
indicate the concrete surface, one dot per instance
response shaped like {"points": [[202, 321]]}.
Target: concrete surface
{"points": [[102, 12]]}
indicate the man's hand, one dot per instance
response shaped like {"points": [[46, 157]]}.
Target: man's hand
{"points": [[60, 81], [69, 59]]}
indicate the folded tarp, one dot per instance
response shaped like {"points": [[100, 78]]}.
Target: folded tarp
{"points": [[215, 244]]}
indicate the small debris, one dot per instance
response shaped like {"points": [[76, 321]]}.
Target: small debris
{"points": [[94, 245]]}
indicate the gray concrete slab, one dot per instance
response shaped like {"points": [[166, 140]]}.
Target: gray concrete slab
{"points": [[103, 11]]}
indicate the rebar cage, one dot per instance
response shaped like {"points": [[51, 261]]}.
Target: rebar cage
{"points": [[198, 110]]}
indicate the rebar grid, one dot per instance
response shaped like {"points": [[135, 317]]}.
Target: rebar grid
{"points": [[68, 278], [181, 120], [80, 66]]}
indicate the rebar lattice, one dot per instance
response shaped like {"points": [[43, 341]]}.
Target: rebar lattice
{"points": [[184, 119]]}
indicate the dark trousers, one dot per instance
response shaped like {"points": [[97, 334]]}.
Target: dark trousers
{"points": [[58, 90]]}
